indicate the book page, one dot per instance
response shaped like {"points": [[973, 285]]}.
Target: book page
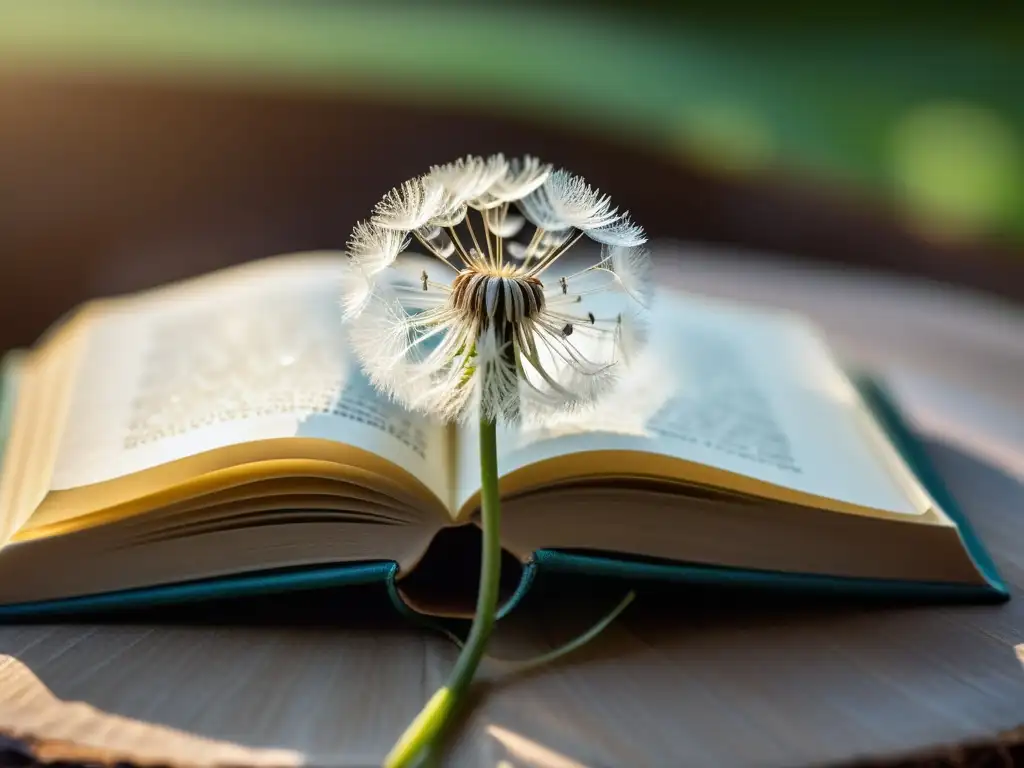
{"points": [[252, 353], [747, 391]]}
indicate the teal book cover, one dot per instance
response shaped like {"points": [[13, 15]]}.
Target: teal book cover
{"points": [[552, 564]]}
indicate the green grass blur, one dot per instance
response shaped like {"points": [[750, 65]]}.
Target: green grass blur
{"points": [[920, 107]]}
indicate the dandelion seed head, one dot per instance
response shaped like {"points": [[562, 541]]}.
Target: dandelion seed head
{"points": [[491, 318]]}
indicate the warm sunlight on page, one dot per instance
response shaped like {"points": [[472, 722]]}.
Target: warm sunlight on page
{"points": [[744, 391], [252, 354]]}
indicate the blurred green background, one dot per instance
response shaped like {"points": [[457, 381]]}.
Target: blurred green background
{"points": [[921, 105]]}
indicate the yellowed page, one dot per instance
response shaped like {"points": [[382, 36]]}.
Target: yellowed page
{"points": [[748, 397], [39, 408], [14, 370], [254, 353]]}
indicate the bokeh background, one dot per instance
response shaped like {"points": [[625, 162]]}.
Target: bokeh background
{"points": [[146, 141]]}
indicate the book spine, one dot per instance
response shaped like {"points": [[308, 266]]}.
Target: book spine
{"points": [[526, 580]]}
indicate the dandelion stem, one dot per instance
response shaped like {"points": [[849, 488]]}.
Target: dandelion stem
{"points": [[433, 718]]}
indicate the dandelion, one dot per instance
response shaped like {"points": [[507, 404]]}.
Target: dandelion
{"points": [[491, 326], [494, 320]]}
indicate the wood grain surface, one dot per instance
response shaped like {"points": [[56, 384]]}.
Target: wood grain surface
{"points": [[695, 678]]}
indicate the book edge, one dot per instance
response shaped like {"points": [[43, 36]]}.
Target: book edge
{"points": [[885, 409]]}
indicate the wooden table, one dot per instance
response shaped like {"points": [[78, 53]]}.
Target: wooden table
{"points": [[726, 680]]}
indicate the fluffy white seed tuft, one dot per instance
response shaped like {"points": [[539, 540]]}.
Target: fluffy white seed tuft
{"points": [[410, 205], [565, 201], [375, 248], [522, 178], [468, 180], [621, 232], [632, 267]]}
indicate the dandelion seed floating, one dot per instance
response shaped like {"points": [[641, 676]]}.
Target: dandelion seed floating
{"points": [[494, 324]]}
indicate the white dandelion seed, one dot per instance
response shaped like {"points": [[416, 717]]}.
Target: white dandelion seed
{"points": [[451, 212], [468, 180], [621, 232], [491, 326], [565, 201], [631, 267], [522, 178], [374, 247], [356, 290], [411, 205]]}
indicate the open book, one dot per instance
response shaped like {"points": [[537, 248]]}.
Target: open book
{"points": [[204, 432]]}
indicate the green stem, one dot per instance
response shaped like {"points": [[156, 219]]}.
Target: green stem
{"points": [[434, 716], [528, 665]]}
